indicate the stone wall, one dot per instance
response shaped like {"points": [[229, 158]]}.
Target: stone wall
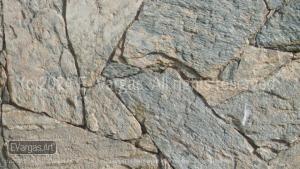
{"points": [[151, 84]]}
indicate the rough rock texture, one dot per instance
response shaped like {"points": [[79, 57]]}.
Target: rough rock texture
{"points": [[288, 159], [182, 126], [282, 30], [246, 71], [76, 148], [106, 114], [95, 31], [41, 71], [201, 34], [151, 84]]}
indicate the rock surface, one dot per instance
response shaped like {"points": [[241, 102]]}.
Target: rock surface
{"points": [[201, 34], [182, 126], [274, 109], [76, 148], [41, 71], [282, 30], [151, 84], [95, 31], [106, 114]]}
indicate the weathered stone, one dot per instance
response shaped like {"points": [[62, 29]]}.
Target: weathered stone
{"points": [[282, 30], [3, 163], [289, 159], [118, 70], [3, 79], [297, 56], [266, 154], [255, 64], [275, 4], [95, 31], [182, 127], [151, 84], [274, 106], [201, 34], [216, 92], [246, 72], [165, 164], [76, 148], [106, 115], [41, 71], [147, 144], [1, 33]]}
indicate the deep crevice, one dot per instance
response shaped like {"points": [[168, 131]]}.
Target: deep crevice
{"points": [[123, 39], [72, 51], [43, 114], [162, 156], [265, 21], [276, 95], [179, 66], [3, 149]]}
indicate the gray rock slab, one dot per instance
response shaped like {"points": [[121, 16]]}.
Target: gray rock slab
{"points": [[273, 107], [201, 34], [181, 125], [288, 159], [282, 30]]}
